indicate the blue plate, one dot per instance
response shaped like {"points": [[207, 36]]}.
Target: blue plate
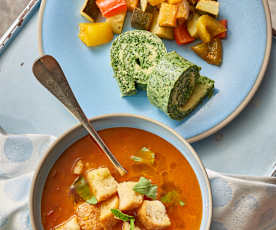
{"points": [[245, 58]]}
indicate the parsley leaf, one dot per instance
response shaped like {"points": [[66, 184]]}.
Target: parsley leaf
{"points": [[92, 200], [145, 187], [132, 226], [122, 216], [181, 203], [135, 158]]}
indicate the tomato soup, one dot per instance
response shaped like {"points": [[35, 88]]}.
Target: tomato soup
{"points": [[170, 172]]}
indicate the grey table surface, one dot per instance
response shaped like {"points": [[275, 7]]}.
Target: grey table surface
{"points": [[246, 146]]}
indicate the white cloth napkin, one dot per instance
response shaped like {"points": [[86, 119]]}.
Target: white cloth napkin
{"points": [[239, 202]]}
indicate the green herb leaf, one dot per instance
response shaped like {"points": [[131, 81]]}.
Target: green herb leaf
{"points": [[137, 159], [171, 197], [82, 189], [181, 203], [132, 226], [122, 216], [92, 200], [145, 187]]}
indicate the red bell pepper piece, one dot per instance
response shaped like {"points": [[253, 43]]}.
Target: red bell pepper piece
{"points": [[182, 35], [110, 8], [223, 35]]}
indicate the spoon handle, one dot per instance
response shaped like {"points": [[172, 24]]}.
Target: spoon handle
{"points": [[49, 73]]}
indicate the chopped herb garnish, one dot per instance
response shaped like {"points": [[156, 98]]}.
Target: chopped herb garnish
{"points": [[145, 156], [92, 200], [181, 203], [81, 187], [145, 187], [132, 226], [137, 159], [122, 216]]}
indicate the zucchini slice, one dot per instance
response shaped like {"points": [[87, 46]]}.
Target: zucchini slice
{"points": [[90, 10], [171, 84], [134, 54], [204, 88], [141, 20]]}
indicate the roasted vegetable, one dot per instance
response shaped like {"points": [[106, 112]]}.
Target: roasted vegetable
{"points": [[208, 6], [162, 32], [191, 25], [167, 15], [183, 11], [171, 84], [141, 20], [133, 57], [117, 22], [174, 1], [204, 88], [223, 35], [155, 2], [110, 8], [90, 10], [211, 52], [132, 4], [143, 4], [94, 34], [182, 35], [208, 27]]}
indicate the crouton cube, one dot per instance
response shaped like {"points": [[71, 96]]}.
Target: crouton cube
{"points": [[126, 226], [129, 199], [88, 217], [168, 14], [78, 168], [106, 216], [102, 184], [70, 224], [153, 215]]}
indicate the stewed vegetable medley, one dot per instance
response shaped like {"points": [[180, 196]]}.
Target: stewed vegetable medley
{"points": [[84, 192]]}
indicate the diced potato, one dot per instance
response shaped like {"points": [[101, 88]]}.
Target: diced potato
{"points": [[191, 25], [167, 15], [78, 168], [155, 2], [183, 11], [88, 217], [117, 22], [208, 6], [174, 1], [132, 4], [129, 199], [70, 224], [153, 215], [102, 184], [126, 226], [89, 10], [208, 27], [106, 216], [162, 32]]}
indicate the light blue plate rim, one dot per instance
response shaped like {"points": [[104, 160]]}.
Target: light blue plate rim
{"points": [[121, 120], [243, 103]]}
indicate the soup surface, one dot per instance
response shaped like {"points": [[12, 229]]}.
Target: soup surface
{"points": [[170, 172]]}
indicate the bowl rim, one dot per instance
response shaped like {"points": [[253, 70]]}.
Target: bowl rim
{"points": [[106, 116], [247, 98]]}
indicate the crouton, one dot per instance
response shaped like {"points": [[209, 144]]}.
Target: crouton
{"points": [[78, 168], [88, 217], [102, 184], [106, 216], [129, 199], [70, 224], [153, 216], [126, 226]]}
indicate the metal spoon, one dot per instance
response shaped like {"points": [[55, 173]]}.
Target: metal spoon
{"points": [[49, 73]]}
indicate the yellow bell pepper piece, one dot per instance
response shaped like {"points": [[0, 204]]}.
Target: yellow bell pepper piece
{"points": [[174, 1], [168, 15], [117, 22], [208, 27], [94, 34], [155, 2], [191, 25]]}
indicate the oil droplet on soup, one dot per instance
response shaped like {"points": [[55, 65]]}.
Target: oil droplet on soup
{"points": [[170, 171]]}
